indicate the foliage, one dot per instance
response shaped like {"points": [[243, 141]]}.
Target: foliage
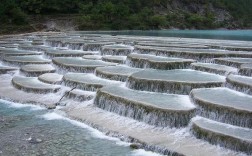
{"points": [[10, 13], [240, 9], [130, 14]]}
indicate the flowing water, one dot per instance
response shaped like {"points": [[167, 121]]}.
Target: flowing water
{"points": [[32, 130], [243, 35]]}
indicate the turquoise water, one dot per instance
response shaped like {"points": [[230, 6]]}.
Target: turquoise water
{"points": [[29, 130], [243, 35]]}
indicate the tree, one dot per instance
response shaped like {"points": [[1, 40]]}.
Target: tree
{"points": [[11, 13], [157, 21]]}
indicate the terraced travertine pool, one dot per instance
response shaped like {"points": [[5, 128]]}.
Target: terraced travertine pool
{"points": [[124, 95]]}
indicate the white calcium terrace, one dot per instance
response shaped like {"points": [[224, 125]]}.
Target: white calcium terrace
{"points": [[69, 53], [79, 64], [32, 84], [153, 108], [239, 83], [117, 49], [8, 52], [157, 62], [86, 81], [234, 62], [119, 72], [114, 59], [80, 95], [224, 105], [246, 69], [37, 69], [92, 57], [233, 137], [173, 111], [29, 59], [52, 78], [180, 81], [190, 53], [214, 68]]}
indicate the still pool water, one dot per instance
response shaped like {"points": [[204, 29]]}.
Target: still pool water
{"points": [[243, 35], [31, 130]]}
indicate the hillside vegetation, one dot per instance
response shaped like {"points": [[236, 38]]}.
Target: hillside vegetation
{"points": [[19, 15]]}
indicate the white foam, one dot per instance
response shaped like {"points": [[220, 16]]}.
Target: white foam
{"points": [[98, 134], [52, 116], [121, 143], [19, 105], [93, 132], [34, 108], [141, 152]]}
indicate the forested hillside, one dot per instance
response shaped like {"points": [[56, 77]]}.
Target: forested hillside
{"points": [[128, 14]]}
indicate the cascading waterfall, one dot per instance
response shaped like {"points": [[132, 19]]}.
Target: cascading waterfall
{"points": [[92, 47], [216, 69], [31, 48], [142, 63], [204, 57], [82, 86], [223, 140], [142, 113], [221, 114], [111, 77], [53, 43], [241, 88], [75, 46], [142, 109], [247, 72], [74, 68], [166, 87]]}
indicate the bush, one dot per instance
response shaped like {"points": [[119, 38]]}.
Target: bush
{"points": [[12, 14], [157, 21]]}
